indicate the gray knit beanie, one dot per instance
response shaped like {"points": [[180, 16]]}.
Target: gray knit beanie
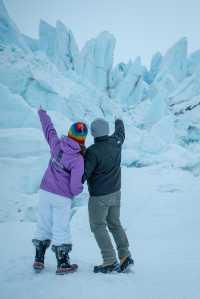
{"points": [[99, 127]]}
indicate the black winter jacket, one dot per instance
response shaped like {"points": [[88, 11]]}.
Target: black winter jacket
{"points": [[103, 162]]}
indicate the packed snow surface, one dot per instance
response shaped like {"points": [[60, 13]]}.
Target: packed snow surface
{"points": [[160, 107], [160, 212]]}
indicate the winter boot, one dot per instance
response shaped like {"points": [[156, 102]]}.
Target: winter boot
{"points": [[63, 261], [125, 264], [41, 247], [107, 268]]}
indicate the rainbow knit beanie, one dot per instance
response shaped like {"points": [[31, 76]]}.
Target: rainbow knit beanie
{"points": [[78, 132]]}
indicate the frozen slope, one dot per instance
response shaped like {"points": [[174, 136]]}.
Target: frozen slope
{"points": [[9, 33], [160, 213]]}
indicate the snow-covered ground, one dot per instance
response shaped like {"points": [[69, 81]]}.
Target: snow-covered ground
{"points": [[160, 211], [160, 107]]}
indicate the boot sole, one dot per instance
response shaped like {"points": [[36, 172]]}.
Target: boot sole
{"points": [[61, 271], [106, 271]]}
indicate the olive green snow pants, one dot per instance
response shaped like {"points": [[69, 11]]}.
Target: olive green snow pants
{"points": [[104, 212]]}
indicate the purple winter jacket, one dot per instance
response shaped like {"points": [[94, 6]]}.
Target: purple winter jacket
{"points": [[57, 180]]}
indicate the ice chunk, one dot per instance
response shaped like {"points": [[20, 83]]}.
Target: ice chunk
{"points": [[117, 74], [155, 67], [157, 110], [14, 111], [31, 42], [131, 147], [177, 157], [187, 123], [194, 62], [173, 68], [39, 82], [159, 136], [22, 142], [59, 45], [130, 89], [9, 33], [47, 38], [175, 60], [38, 93], [66, 49], [186, 91], [165, 129], [152, 143], [96, 60], [14, 71], [193, 134]]}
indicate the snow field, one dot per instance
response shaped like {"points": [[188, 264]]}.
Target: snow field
{"points": [[160, 214]]}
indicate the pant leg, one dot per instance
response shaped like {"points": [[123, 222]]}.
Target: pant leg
{"points": [[98, 212], [44, 219], [61, 220], [115, 227]]}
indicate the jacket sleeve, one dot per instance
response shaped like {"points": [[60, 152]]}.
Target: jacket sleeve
{"points": [[77, 170], [90, 165], [48, 129], [119, 130]]}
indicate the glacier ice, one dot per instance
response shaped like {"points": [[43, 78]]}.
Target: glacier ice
{"points": [[38, 82], [66, 49], [59, 45], [160, 106], [14, 111], [165, 129], [175, 61], [22, 142], [32, 43], [131, 88], [116, 75], [14, 70], [183, 96], [96, 60], [173, 69], [156, 111], [47, 38], [9, 33], [156, 63], [194, 62]]}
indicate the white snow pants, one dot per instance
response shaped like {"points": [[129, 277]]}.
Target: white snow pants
{"points": [[53, 218]]}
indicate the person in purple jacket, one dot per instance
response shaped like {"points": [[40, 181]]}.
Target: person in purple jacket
{"points": [[61, 182]]}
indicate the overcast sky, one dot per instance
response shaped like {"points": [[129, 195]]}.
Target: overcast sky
{"points": [[141, 27]]}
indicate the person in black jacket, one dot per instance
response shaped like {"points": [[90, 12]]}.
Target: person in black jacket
{"points": [[103, 175]]}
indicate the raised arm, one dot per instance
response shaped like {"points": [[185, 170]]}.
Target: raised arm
{"points": [[119, 130], [48, 128]]}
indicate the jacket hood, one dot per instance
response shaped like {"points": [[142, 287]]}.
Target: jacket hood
{"points": [[69, 146]]}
